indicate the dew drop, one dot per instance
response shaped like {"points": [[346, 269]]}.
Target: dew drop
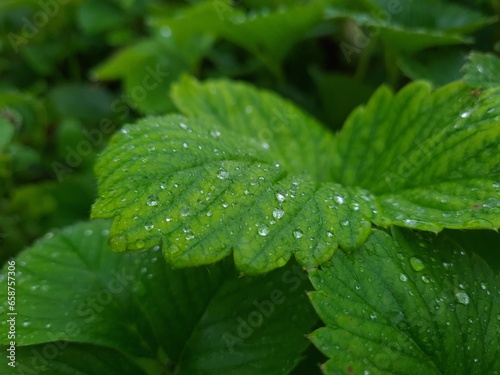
{"points": [[425, 279], [281, 196], [344, 223], [184, 211], [222, 174], [209, 213], [152, 200], [149, 225], [465, 115], [26, 323], [339, 199], [403, 277], [462, 298], [297, 233], [140, 244], [278, 213], [417, 264], [263, 230], [183, 126]]}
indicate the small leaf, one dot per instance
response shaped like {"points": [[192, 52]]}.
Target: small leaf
{"points": [[482, 70], [410, 304], [196, 320]]}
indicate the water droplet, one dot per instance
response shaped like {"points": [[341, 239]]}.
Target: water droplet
{"points": [[344, 223], [263, 230], [278, 213], [152, 200], [425, 279], [403, 277], [140, 244], [400, 256], [209, 213], [222, 174], [417, 264], [87, 232], [339, 199], [149, 225], [185, 145], [329, 234], [165, 32], [168, 219], [373, 315], [26, 323], [183, 126], [215, 133], [297, 233], [281, 196], [462, 298], [465, 114], [48, 325], [184, 211], [248, 109]]}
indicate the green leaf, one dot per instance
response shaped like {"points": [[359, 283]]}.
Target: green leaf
{"points": [[62, 358], [340, 94], [438, 66], [197, 320], [432, 158], [6, 132], [411, 26], [151, 66], [482, 70], [245, 177], [410, 304], [268, 35]]}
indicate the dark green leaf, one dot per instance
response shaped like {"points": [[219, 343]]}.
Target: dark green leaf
{"points": [[410, 304], [203, 320]]}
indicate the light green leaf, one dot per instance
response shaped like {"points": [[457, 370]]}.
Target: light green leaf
{"points": [[208, 187], [410, 304], [432, 158], [197, 320], [63, 358], [267, 35], [482, 70]]}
